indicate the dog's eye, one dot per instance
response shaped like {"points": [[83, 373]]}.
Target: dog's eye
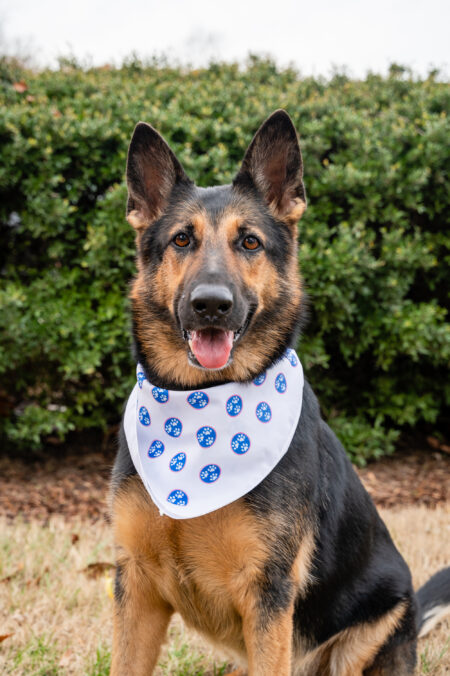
{"points": [[181, 239], [251, 243]]}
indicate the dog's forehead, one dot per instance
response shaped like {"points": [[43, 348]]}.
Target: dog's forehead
{"points": [[215, 201], [219, 203]]}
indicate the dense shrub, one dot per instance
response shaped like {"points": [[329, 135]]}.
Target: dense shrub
{"points": [[374, 242]]}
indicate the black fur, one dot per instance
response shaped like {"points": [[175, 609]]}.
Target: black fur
{"points": [[434, 593]]}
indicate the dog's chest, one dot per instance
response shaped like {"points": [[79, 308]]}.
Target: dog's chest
{"points": [[202, 567]]}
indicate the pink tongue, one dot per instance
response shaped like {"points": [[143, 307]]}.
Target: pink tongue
{"points": [[212, 347]]}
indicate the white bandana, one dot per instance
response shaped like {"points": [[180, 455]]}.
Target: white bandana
{"points": [[199, 450]]}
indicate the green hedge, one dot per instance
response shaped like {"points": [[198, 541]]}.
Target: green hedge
{"points": [[374, 242]]}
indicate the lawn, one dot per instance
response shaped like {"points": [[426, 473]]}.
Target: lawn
{"points": [[56, 608]]}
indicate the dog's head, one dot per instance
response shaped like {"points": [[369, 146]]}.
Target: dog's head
{"points": [[217, 296]]}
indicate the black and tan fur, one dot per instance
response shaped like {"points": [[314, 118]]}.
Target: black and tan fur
{"points": [[300, 576]]}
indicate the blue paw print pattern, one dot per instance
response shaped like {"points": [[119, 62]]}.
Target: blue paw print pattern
{"points": [[280, 383], [178, 462], [210, 473], [240, 443], [144, 416], [173, 427], [206, 436], [234, 405], [259, 379], [140, 378], [263, 412], [156, 449], [291, 357], [160, 395], [198, 400], [178, 497]]}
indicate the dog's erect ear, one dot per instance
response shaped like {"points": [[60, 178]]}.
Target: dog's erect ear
{"points": [[152, 172], [273, 164]]}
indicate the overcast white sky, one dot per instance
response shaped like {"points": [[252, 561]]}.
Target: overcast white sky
{"points": [[314, 35]]}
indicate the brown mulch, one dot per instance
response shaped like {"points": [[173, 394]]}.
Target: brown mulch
{"points": [[409, 478], [73, 486], [73, 481]]}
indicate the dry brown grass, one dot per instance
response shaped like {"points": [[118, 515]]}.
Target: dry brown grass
{"points": [[55, 613], [60, 619]]}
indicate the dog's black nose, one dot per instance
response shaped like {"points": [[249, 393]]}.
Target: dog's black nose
{"points": [[211, 301]]}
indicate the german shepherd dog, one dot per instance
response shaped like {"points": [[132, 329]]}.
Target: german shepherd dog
{"points": [[299, 576]]}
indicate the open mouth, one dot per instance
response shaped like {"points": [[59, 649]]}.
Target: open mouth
{"points": [[211, 347]]}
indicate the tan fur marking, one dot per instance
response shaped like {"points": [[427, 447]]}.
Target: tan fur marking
{"points": [[139, 631], [195, 218], [230, 223], [269, 651], [200, 223], [350, 651], [136, 219], [263, 280], [209, 581], [292, 213], [301, 570], [233, 219], [171, 276]]}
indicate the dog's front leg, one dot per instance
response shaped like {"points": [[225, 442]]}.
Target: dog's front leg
{"points": [[140, 623], [268, 640]]}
